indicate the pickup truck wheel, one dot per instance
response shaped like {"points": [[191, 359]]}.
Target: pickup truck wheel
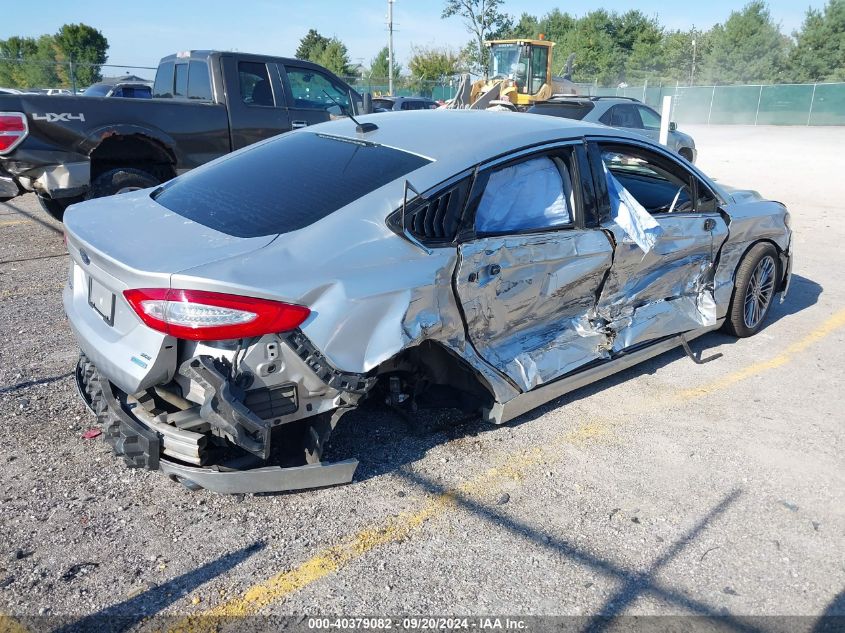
{"points": [[120, 180], [56, 208]]}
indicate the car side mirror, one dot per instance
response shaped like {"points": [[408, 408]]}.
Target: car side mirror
{"points": [[672, 126]]}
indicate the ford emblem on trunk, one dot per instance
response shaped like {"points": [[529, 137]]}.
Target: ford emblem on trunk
{"points": [[85, 259]]}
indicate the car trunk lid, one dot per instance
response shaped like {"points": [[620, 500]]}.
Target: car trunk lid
{"points": [[129, 242]]}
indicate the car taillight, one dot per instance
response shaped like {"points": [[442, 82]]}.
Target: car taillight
{"points": [[199, 315], [13, 130]]}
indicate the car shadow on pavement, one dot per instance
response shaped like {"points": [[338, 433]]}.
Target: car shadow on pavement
{"points": [[803, 293], [631, 583], [832, 619], [128, 613], [383, 440], [45, 221]]}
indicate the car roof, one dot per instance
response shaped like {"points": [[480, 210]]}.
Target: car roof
{"points": [[400, 98], [589, 98], [464, 136]]}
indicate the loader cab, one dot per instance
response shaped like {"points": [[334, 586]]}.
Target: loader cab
{"points": [[527, 63]]}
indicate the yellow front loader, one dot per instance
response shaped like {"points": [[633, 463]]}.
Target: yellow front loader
{"points": [[519, 73]]}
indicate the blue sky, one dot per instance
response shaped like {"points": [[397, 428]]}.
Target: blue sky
{"points": [[141, 32]]}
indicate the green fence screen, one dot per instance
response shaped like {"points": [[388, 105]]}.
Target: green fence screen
{"points": [[780, 104]]}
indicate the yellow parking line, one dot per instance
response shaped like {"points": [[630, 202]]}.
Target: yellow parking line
{"points": [[14, 222], [395, 530], [825, 329], [8, 624], [334, 558]]}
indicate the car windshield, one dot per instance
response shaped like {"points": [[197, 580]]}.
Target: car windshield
{"points": [[285, 184], [505, 61], [387, 104], [97, 90]]}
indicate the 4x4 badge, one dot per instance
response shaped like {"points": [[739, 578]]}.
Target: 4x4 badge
{"points": [[53, 117]]}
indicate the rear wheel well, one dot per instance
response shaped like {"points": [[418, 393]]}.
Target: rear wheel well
{"points": [[435, 374], [686, 152], [135, 151]]}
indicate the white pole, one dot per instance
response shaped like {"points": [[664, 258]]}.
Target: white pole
{"points": [[390, 46], [710, 111], [757, 113], [664, 119], [812, 101]]}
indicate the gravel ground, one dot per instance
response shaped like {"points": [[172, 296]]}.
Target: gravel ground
{"points": [[671, 488]]}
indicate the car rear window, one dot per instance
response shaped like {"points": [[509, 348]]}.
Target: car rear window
{"points": [[566, 110], [285, 184], [387, 104]]}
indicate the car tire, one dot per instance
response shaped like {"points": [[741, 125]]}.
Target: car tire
{"points": [[686, 153], [56, 208], [756, 284], [121, 180]]}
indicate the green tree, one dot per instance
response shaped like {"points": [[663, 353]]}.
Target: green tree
{"points": [[819, 53], [748, 47], [597, 55], [378, 66], [14, 52], [641, 40], [328, 52], [86, 47], [311, 45], [335, 57], [528, 27], [557, 27], [483, 20], [430, 65]]}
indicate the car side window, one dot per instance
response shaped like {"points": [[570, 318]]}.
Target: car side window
{"points": [[535, 194], [626, 116], [254, 81], [650, 118], [607, 117], [181, 89], [653, 181], [312, 89], [163, 87], [199, 82]]}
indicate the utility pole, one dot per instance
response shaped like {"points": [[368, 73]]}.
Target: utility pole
{"points": [[390, 46]]}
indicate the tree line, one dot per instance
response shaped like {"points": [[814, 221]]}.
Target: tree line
{"points": [[615, 48], [43, 62], [612, 48]]}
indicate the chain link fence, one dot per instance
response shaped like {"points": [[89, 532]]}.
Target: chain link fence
{"points": [[439, 90], [36, 76], [756, 104]]}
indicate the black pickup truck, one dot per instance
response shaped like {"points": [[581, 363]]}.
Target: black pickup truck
{"points": [[205, 104]]}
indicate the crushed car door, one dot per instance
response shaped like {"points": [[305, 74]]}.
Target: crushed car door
{"points": [[529, 272], [661, 280]]}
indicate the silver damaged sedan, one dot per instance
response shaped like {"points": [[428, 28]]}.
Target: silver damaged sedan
{"points": [[229, 318]]}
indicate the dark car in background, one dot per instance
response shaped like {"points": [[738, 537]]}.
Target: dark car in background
{"points": [[127, 90]]}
